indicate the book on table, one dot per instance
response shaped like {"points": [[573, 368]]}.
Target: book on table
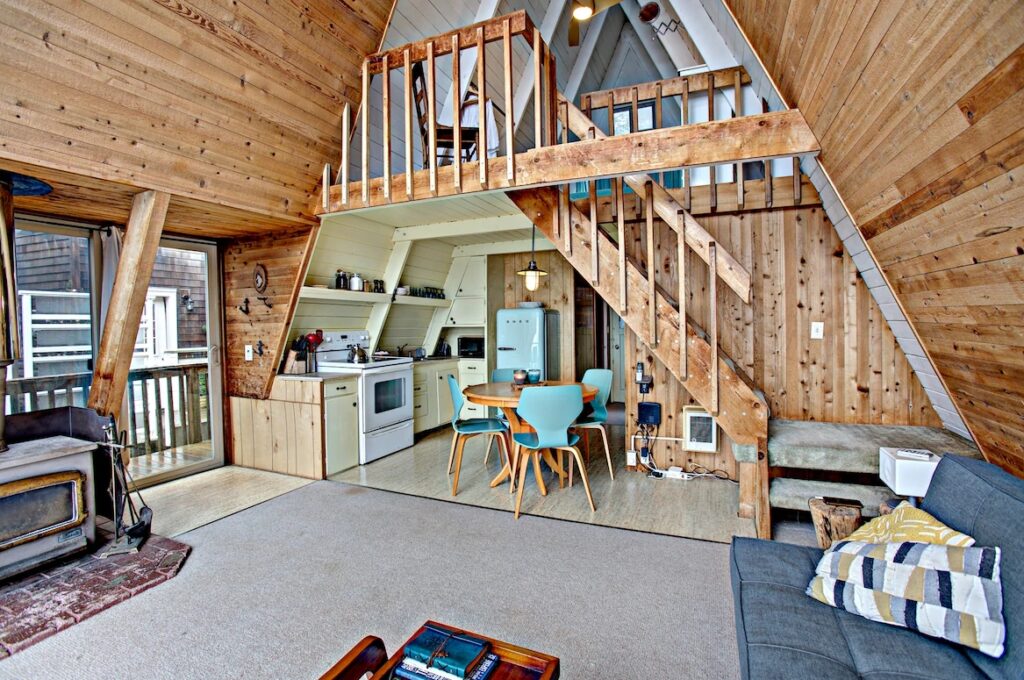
{"points": [[416, 670], [453, 654]]}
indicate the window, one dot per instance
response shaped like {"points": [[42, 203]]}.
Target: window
{"points": [[623, 118], [53, 270]]}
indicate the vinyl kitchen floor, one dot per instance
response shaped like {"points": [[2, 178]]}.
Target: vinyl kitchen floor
{"points": [[703, 508]]}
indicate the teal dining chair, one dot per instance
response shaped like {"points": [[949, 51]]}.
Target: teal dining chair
{"points": [[466, 429], [498, 375], [601, 378], [550, 411]]}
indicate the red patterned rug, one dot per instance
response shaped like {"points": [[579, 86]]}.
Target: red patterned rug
{"points": [[37, 606]]}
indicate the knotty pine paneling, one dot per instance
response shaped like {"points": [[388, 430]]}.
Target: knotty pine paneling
{"points": [[917, 107], [231, 103], [286, 257], [799, 274]]}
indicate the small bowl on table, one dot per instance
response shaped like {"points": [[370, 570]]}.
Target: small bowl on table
{"points": [[533, 376]]}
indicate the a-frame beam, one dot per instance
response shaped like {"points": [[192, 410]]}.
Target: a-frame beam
{"points": [[480, 225], [127, 300]]}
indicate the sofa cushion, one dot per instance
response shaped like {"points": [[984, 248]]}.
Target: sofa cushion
{"points": [[907, 523], [987, 503], [783, 633]]}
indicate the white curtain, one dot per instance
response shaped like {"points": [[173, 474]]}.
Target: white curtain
{"points": [[111, 240]]}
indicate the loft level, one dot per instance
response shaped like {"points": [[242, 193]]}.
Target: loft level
{"points": [[554, 150]]}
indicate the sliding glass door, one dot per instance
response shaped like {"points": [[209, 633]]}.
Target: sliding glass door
{"points": [[172, 405]]}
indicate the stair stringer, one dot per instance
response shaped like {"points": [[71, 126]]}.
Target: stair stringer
{"points": [[742, 413]]}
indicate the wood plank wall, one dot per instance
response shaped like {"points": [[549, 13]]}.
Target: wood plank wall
{"points": [[286, 258], [229, 103], [918, 110], [556, 291], [800, 273]]}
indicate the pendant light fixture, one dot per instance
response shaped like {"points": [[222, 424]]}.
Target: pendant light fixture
{"points": [[532, 273]]}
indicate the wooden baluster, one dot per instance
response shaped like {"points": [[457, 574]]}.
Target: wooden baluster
{"points": [[595, 263], [738, 111], [145, 413], [713, 321], [346, 150], [386, 127], [652, 292], [132, 436], [432, 117], [325, 191], [621, 219], [617, 182], [563, 192], [172, 434], [551, 95], [657, 121], [634, 110], [456, 116], [481, 86], [768, 187], [797, 182], [365, 104], [712, 169], [685, 120], [410, 171], [510, 134], [158, 410], [538, 90], [684, 338]]}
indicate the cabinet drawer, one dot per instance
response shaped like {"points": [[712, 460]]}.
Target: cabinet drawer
{"points": [[339, 387]]}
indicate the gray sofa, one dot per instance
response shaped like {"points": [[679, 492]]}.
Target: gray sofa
{"points": [[783, 633]]}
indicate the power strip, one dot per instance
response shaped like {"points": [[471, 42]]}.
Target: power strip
{"points": [[674, 472]]}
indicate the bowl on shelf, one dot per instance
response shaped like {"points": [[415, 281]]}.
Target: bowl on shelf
{"points": [[402, 290]]}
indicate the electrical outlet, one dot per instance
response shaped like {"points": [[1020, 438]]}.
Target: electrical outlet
{"points": [[817, 330], [631, 458], [248, 352]]}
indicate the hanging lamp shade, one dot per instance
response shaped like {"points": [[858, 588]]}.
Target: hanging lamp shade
{"points": [[532, 273]]}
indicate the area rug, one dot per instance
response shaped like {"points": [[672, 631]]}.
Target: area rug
{"points": [[37, 606]]}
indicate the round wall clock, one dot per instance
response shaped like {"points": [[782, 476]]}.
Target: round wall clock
{"points": [[259, 278]]}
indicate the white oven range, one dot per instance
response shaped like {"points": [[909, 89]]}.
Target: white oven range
{"points": [[384, 392]]}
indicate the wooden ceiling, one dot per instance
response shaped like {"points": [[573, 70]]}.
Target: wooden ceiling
{"points": [[231, 106], [917, 106]]}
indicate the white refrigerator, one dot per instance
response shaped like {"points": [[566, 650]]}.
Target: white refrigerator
{"points": [[527, 339]]}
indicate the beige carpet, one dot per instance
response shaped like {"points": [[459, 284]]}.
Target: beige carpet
{"points": [[184, 504], [285, 588], [702, 508]]}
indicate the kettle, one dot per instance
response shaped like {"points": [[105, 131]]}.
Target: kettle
{"points": [[357, 355]]}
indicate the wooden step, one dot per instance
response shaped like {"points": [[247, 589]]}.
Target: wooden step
{"points": [[793, 494]]}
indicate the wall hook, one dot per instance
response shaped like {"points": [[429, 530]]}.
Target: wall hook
{"points": [[265, 299], [244, 307], [259, 347]]}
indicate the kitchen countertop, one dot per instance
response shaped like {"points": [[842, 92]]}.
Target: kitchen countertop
{"points": [[314, 377]]}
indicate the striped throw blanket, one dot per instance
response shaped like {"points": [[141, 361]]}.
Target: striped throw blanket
{"points": [[948, 592]]}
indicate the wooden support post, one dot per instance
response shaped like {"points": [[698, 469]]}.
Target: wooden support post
{"points": [[762, 499], [737, 112], [550, 96], [712, 169], [456, 115], [797, 183], [385, 92], [713, 322], [346, 151], [564, 206], [510, 125], [432, 117], [684, 371], [657, 121], [767, 169], [538, 90], [652, 291], [595, 266], [127, 300], [410, 170], [623, 272], [481, 87], [365, 104], [685, 120]]}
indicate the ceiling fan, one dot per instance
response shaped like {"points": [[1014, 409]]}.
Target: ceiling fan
{"points": [[583, 10]]}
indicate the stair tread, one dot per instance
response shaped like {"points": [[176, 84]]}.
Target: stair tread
{"points": [[848, 447], [793, 494]]}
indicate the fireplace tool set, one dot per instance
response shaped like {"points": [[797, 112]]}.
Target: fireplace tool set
{"points": [[128, 536]]}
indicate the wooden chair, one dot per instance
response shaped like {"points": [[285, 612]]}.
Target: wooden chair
{"points": [[470, 427], [445, 134], [368, 657]]}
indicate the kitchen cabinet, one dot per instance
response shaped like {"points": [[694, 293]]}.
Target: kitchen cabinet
{"points": [[309, 427], [431, 396], [468, 312], [472, 372], [474, 280]]}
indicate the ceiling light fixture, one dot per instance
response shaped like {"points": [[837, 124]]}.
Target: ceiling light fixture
{"points": [[532, 273], [582, 10]]}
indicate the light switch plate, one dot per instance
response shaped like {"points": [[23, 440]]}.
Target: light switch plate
{"points": [[248, 352], [817, 330]]}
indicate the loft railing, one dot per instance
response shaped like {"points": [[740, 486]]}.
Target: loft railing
{"points": [[167, 406], [419, 109], [680, 101]]}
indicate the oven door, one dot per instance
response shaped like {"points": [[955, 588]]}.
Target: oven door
{"points": [[386, 397]]}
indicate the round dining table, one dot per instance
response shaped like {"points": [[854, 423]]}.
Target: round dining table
{"points": [[505, 396]]}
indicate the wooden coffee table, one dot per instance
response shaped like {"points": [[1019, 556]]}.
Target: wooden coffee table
{"points": [[514, 663]]}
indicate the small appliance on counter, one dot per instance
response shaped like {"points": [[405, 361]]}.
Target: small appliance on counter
{"points": [[471, 346], [443, 349]]}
